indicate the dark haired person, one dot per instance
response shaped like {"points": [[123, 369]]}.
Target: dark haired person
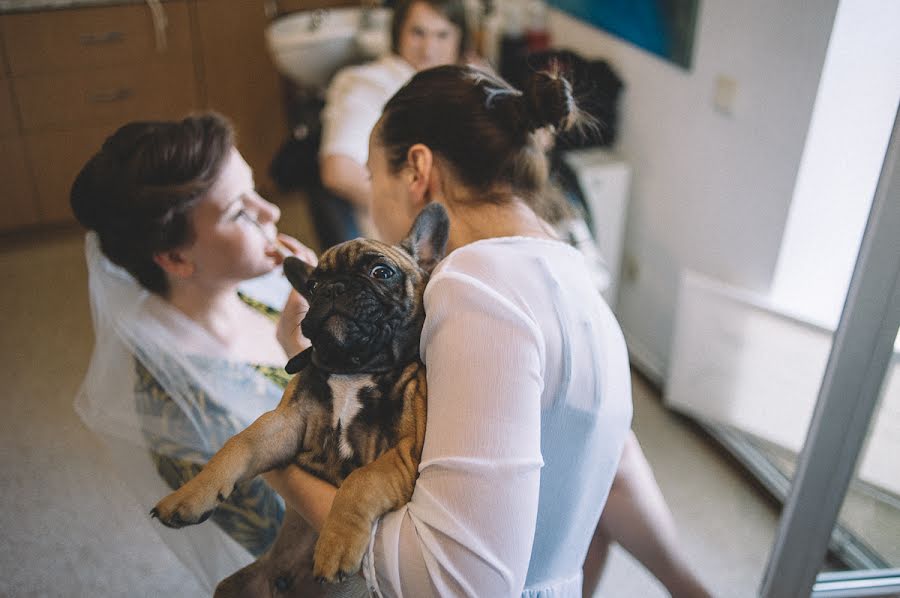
{"points": [[529, 388], [182, 359], [424, 34]]}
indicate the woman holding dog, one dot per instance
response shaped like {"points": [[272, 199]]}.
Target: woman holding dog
{"points": [[529, 399], [429, 33]]}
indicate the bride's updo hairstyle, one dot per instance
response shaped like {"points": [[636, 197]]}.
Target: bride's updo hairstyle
{"points": [[138, 191], [480, 127]]}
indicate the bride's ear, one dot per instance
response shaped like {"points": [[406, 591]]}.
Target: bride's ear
{"points": [[174, 263]]}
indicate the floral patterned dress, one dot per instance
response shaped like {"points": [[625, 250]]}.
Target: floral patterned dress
{"points": [[253, 513]]}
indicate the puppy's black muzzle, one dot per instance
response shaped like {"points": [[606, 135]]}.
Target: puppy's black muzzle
{"points": [[345, 323]]}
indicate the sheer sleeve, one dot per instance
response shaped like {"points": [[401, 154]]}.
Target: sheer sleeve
{"points": [[469, 527], [253, 512]]}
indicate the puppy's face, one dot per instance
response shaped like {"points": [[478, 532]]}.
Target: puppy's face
{"points": [[365, 297]]}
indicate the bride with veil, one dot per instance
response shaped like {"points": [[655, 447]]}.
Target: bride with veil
{"points": [[185, 286]]}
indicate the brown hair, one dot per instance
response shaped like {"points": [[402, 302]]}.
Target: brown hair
{"points": [[452, 10], [480, 126], [138, 191]]}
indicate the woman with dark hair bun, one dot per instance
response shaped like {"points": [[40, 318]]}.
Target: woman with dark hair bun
{"points": [[184, 356], [480, 144], [529, 398]]}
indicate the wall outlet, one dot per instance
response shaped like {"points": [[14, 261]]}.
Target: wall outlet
{"points": [[725, 95], [630, 269]]}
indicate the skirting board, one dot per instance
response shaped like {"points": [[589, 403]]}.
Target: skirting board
{"points": [[645, 362]]}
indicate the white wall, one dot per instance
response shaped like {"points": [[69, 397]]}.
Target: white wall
{"points": [[710, 192], [848, 137]]}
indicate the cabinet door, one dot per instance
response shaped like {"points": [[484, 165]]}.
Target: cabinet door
{"points": [[17, 206], [240, 78], [8, 125], [108, 96], [87, 38], [56, 157]]}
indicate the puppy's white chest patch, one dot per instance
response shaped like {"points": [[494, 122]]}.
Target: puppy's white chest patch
{"points": [[345, 405]]}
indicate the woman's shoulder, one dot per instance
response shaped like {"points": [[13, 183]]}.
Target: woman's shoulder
{"points": [[388, 72], [506, 258], [513, 274], [535, 278]]}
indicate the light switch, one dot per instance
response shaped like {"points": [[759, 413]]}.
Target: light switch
{"points": [[725, 95]]}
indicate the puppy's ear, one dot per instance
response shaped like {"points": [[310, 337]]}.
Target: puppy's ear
{"points": [[427, 239], [298, 273]]}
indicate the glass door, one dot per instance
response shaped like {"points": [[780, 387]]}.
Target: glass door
{"points": [[853, 386]]}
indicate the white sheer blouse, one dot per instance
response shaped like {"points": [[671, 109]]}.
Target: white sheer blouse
{"points": [[529, 403]]}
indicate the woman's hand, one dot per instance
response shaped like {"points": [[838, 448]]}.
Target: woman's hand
{"points": [[297, 248], [287, 331], [303, 492]]}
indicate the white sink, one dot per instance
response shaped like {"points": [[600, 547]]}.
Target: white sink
{"points": [[309, 46]]}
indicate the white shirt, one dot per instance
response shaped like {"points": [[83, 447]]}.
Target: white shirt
{"points": [[529, 403], [353, 104]]}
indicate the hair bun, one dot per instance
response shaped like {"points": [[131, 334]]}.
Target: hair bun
{"points": [[548, 100]]}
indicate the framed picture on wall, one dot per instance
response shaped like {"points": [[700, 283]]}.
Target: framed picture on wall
{"points": [[662, 27]]}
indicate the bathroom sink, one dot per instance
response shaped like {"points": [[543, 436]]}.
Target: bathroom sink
{"points": [[309, 46]]}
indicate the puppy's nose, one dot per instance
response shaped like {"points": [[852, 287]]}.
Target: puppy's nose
{"points": [[335, 289]]}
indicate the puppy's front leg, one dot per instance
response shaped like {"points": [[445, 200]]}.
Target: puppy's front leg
{"points": [[266, 443], [367, 493]]}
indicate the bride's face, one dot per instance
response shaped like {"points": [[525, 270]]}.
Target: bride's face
{"points": [[228, 247]]}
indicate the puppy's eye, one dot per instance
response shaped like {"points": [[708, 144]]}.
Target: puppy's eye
{"points": [[311, 285], [381, 272]]}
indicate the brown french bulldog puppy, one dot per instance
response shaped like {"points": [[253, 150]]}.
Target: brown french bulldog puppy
{"points": [[354, 413]]}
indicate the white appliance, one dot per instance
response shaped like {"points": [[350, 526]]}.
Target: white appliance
{"points": [[604, 180]]}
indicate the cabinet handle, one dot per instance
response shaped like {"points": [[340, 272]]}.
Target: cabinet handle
{"points": [[95, 39], [108, 97]]}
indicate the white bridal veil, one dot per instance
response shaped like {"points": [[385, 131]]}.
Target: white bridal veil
{"points": [[139, 336]]}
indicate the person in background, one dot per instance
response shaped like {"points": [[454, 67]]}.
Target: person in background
{"points": [[184, 358], [424, 34]]}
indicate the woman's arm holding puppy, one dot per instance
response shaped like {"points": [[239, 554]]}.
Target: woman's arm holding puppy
{"points": [[310, 496]]}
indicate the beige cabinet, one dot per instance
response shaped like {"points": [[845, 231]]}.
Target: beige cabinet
{"points": [[240, 80], [78, 74], [238, 76], [55, 158], [17, 205], [108, 96], [87, 38], [8, 124], [70, 77]]}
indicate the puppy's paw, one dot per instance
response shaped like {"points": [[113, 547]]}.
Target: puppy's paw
{"points": [[191, 504], [339, 551]]}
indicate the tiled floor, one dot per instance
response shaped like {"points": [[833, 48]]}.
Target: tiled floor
{"points": [[71, 528]]}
